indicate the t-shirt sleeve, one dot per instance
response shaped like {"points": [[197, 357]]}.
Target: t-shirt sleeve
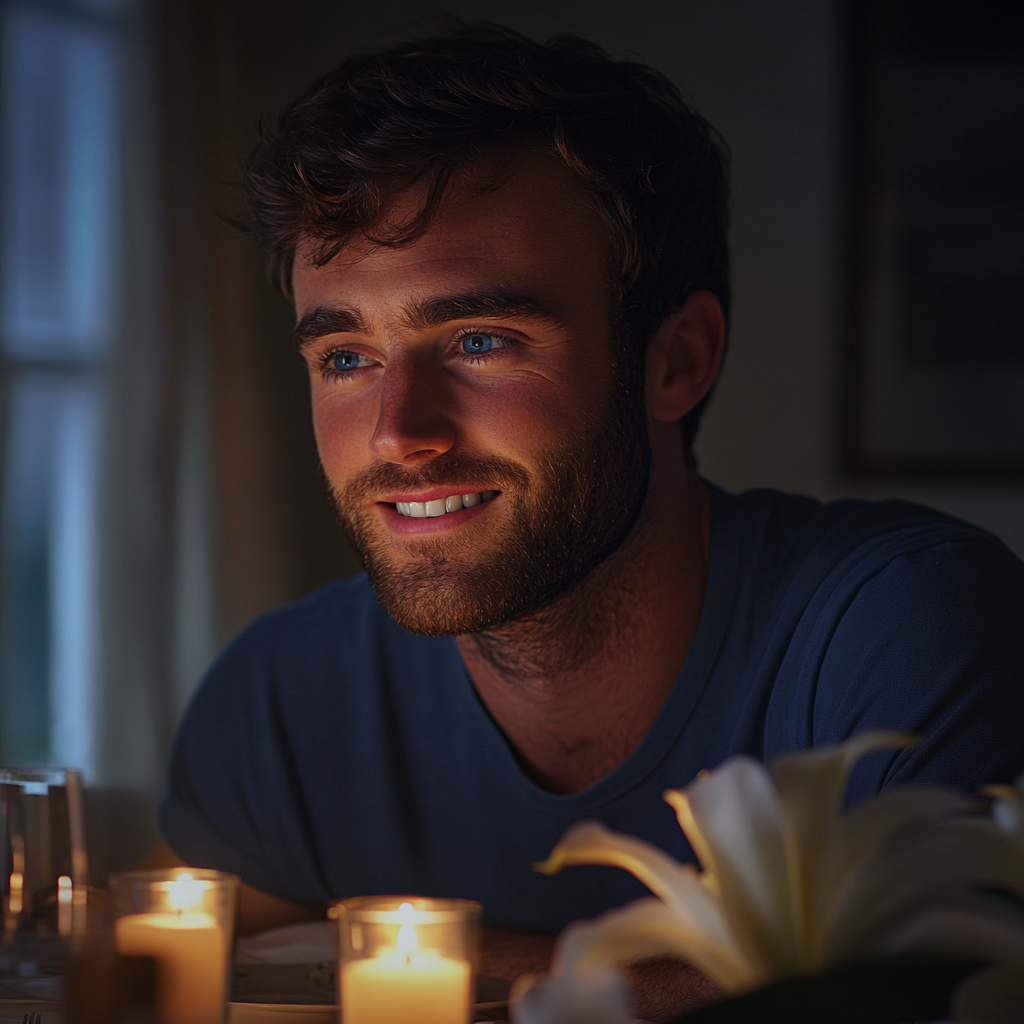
{"points": [[932, 643], [234, 802]]}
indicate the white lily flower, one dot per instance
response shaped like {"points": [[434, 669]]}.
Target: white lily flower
{"points": [[1008, 806], [790, 883], [995, 995]]}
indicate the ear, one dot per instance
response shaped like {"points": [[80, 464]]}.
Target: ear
{"points": [[684, 356]]}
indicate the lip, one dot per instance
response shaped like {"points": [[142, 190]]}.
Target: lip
{"points": [[409, 526]]}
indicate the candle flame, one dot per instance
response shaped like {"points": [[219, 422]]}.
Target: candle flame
{"points": [[185, 893], [17, 884], [64, 890], [407, 931]]}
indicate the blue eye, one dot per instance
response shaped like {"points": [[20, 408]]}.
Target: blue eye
{"points": [[344, 361], [478, 344]]}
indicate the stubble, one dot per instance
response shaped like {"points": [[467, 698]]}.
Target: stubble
{"points": [[561, 520]]}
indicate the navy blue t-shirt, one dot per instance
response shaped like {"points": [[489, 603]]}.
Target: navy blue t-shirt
{"points": [[329, 753]]}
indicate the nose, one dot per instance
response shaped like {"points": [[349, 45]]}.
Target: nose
{"points": [[415, 421]]}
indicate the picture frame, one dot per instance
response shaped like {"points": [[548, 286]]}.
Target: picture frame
{"points": [[934, 372]]}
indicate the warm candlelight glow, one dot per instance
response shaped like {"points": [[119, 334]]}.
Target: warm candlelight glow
{"points": [[17, 886], [410, 962], [407, 932], [65, 893], [426, 988], [185, 893], [184, 924], [191, 954]]}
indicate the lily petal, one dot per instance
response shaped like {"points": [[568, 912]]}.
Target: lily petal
{"points": [[921, 865], [647, 927], [590, 842], [735, 822], [999, 790], [956, 932], [1008, 805], [862, 835], [812, 788]]}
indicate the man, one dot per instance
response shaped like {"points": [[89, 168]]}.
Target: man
{"points": [[509, 273]]}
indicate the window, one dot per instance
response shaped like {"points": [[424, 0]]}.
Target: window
{"points": [[60, 97]]}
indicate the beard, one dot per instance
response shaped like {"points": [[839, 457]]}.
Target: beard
{"points": [[561, 520]]}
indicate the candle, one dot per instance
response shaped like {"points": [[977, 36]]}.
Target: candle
{"points": [[401, 990], [64, 905], [402, 983], [190, 949]]}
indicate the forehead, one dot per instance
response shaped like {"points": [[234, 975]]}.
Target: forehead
{"points": [[538, 233]]}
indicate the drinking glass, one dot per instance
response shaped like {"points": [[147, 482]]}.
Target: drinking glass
{"points": [[44, 867]]}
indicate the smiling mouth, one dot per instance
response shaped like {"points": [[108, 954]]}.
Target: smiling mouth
{"points": [[442, 506]]}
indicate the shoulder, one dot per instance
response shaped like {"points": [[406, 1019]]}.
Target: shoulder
{"points": [[339, 624], [932, 644], [335, 652], [316, 656], [793, 522], [797, 545], [858, 570], [886, 615]]}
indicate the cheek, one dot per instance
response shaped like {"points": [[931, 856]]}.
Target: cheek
{"points": [[343, 430], [517, 416]]}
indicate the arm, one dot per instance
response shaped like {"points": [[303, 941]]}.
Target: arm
{"points": [[504, 953], [664, 988]]}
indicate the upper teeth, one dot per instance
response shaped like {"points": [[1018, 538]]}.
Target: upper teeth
{"points": [[439, 506]]}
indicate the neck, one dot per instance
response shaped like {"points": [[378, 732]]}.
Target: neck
{"points": [[577, 685]]}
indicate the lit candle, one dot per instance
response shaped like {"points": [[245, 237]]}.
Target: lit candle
{"points": [[405, 984], [17, 887], [190, 949], [64, 904]]}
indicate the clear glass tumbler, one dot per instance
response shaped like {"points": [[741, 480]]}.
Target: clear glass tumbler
{"points": [[406, 958], [44, 866], [184, 919]]}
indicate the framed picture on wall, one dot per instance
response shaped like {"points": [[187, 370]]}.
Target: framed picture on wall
{"points": [[935, 374]]}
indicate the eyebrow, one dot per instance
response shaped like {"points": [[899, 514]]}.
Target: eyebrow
{"points": [[323, 320], [434, 312]]}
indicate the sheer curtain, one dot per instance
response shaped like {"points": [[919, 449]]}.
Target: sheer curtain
{"points": [[101, 435], [60, 222]]}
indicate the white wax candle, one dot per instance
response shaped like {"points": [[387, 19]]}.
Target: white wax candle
{"points": [[192, 962], [401, 989]]}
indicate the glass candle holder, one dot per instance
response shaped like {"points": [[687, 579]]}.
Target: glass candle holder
{"points": [[404, 958], [44, 868], [184, 919]]}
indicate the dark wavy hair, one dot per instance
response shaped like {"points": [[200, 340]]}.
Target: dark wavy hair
{"points": [[426, 112]]}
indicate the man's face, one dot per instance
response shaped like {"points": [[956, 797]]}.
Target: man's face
{"points": [[469, 405]]}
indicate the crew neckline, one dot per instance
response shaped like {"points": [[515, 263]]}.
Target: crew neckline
{"points": [[723, 559]]}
